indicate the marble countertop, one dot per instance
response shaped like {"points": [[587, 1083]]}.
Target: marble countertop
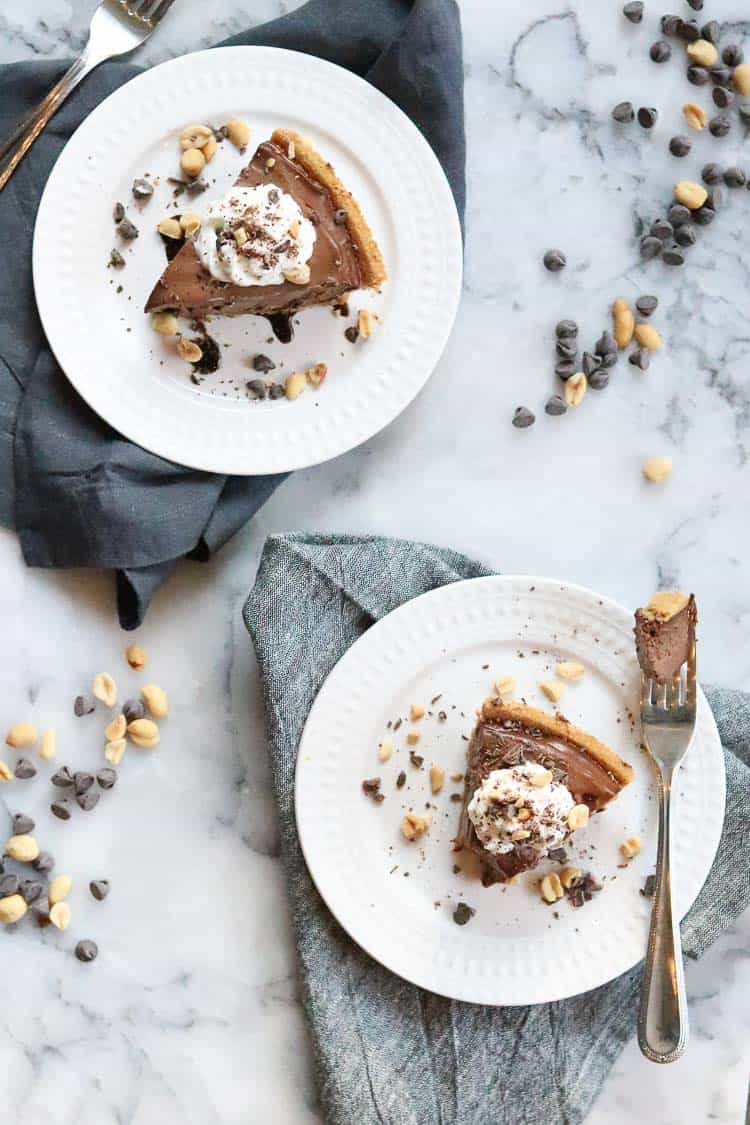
{"points": [[190, 1015]]}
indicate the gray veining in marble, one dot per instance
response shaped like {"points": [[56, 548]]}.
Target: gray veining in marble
{"points": [[190, 1014]]}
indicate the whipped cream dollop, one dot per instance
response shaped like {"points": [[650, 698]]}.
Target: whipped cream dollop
{"points": [[518, 800], [255, 236]]}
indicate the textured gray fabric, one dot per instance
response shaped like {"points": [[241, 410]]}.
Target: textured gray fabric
{"points": [[386, 1051], [77, 492]]}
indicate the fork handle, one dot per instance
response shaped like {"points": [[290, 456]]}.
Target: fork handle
{"points": [[663, 1014], [18, 144]]}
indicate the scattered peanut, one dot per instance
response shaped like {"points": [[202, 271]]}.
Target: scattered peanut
{"points": [[551, 887], [695, 115], [298, 275], [295, 385], [741, 78], [195, 136], [624, 322], [12, 909], [575, 389], [193, 162], [666, 604], [647, 336], [316, 375], [59, 889], [415, 825], [209, 149], [539, 780], [437, 778], [170, 228], [386, 750], [116, 729], [569, 876], [552, 690], [156, 701], [291, 150], [690, 194], [144, 733], [188, 350], [412, 738], [365, 323], [240, 236], [190, 222], [570, 670], [416, 712], [114, 751], [578, 816], [520, 834], [294, 228], [505, 685], [657, 469], [105, 689], [237, 132], [523, 815], [631, 847], [702, 52], [24, 849], [165, 323], [21, 735], [59, 915], [6, 773], [136, 657]]}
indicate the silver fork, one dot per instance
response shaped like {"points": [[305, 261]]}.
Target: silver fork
{"points": [[668, 722], [117, 26]]}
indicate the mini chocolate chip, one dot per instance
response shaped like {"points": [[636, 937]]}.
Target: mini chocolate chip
{"points": [[89, 800], [24, 769], [649, 887], [106, 778], [256, 389], [554, 260], [647, 116], [589, 363], [565, 368], [711, 174], [688, 30], [678, 214], [263, 363], [673, 256], [633, 11], [142, 189], [352, 333], [62, 778], [605, 344], [566, 350], [558, 855], [696, 5], [744, 111], [22, 824], [99, 889], [732, 54], [650, 247], [273, 195], [623, 112], [128, 230], [662, 229], [87, 950], [31, 891], [670, 25], [609, 359], [640, 358], [84, 705], [599, 379], [523, 418], [463, 914], [722, 97], [133, 709], [9, 885], [82, 782], [660, 51], [703, 216], [401, 780], [711, 31], [686, 235], [648, 303], [721, 75], [339, 217], [576, 897], [118, 212], [44, 862], [734, 177], [697, 75], [555, 406], [60, 809], [276, 390], [116, 259], [715, 198], [566, 329], [719, 125], [680, 145]]}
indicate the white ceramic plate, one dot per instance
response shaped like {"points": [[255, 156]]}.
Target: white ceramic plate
{"points": [[397, 899], [132, 377]]}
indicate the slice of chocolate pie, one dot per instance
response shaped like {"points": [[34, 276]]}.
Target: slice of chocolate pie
{"points": [[286, 236], [531, 779], [665, 634]]}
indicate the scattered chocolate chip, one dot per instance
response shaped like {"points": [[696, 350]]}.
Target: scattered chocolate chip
{"points": [[339, 217], [62, 778], [352, 333], [84, 705], [599, 379], [623, 112], [210, 360], [401, 780], [88, 800], [565, 368], [22, 824], [719, 125], [87, 950], [714, 198], [276, 390], [31, 891], [662, 229], [640, 358], [575, 897], [670, 25], [554, 260], [722, 97], [744, 112], [711, 174], [605, 345], [732, 54], [721, 75], [686, 235], [735, 178], [40, 914], [650, 247], [704, 215], [566, 329], [673, 256], [555, 406], [609, 359], [688, 31], [133, 709], [589, 363], [44, 862], [118, 212], [558, 855], [697, 75], [256, 389], [566, 350], [647, 116], [60, 809], [24, 769], [273, 195], [711, 31], [523, 418], [8, 885], [633, 11], [463, 914], [678, 214], [82, 782], [116, 259], [142, 189], [680, 145], [416, 759], [99, 889], [371, 787], [696, 5], [647, 303], [649, 887], [660, 51], [128, 230], [263, 363], [106, 778]]}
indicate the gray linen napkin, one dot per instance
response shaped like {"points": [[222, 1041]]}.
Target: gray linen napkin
{"points": [[78, 493], [387, 1051]]}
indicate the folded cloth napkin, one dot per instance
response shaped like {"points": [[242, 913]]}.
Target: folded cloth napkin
{"points": [[386, 1051], [77, 492]]}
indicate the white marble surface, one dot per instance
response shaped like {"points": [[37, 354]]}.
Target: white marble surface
{"points": [[190, 1014]]}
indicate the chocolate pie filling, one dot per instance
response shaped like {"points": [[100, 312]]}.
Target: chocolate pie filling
{"points": [[188, 288]]}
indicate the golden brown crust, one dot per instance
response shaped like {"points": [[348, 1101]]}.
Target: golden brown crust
{"points": [[370, 259], [495, 710]]}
